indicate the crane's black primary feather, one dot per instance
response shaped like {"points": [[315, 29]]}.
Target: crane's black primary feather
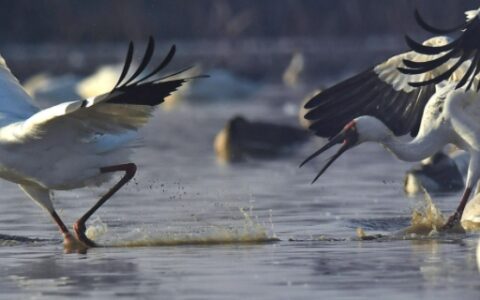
{"points": [[469, 72], [146, 59], [432, 29], [164, 62], [466, 48], [126, 65], [151, 93], [149, 90], [429, 50], [429, 65], [367, 94], [477, 67], [442, 77]]}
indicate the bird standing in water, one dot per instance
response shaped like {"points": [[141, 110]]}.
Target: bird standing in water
{"points": [[430, 93], [77, 143]]}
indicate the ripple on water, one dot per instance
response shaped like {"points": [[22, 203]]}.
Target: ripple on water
{"points": [[13, 240]]}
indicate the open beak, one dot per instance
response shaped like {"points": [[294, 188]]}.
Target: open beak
{"points": [[348, 137]]}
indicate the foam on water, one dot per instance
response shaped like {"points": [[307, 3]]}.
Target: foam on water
{"points": [[251, 231]]}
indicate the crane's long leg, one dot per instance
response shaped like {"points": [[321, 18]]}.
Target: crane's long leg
{"points": [[60, 224], [457, 216], [42, 197], [472, 179], [79, 226], [69, 241]]}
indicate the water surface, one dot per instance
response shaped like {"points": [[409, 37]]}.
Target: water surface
{"points": [[182, 199]]}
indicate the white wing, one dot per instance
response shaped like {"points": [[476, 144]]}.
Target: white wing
{"points": [[104, 114], [127, 107], [15, 103]]}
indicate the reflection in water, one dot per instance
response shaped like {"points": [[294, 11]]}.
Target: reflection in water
{"points": [[425, 246], [437, 264], [352, 264], [58, 275], [431, 266]]}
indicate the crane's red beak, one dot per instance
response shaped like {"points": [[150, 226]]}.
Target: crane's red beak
{"points": [[348, 137]]}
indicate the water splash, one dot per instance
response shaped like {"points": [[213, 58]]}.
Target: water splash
{"points": [[96, 230], [471, 215], [427, 220], [250, 232]]}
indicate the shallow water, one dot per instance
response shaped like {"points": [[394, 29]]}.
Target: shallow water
{"points": [[190, 227]]}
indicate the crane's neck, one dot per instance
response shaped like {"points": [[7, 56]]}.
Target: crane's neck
{"points": [[416, 149], [430, 139]]}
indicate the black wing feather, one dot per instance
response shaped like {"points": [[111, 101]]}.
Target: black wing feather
{"points": [[469, 73], [150, 90], [429, 50], [444, 76], [146, 59], [427, 66], [151, 93], [432, 29], [367, 94], [476, 63], [165, 62], [126, 65], [466, 48]]}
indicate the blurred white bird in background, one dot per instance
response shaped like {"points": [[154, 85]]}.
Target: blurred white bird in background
{"points": [[77, 143]]}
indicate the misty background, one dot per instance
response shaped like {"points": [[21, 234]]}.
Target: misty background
{"points": [[254, 38]]}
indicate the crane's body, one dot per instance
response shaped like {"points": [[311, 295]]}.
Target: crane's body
{"points": [[443, 113], [77, 143], [431, 93]]}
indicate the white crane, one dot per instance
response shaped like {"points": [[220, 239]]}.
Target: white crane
{"points": [[430, 92], [77, 143]]}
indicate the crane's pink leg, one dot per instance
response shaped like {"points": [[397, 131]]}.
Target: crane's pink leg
{"points": [[457, 216], [61, 225], [79, 226], [69, 242]]}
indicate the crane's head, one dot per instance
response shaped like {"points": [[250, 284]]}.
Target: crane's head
{"points": [[359, 130]]}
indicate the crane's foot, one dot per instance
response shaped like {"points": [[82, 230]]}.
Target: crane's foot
{"points": [[79, 229], [72, 244]]}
